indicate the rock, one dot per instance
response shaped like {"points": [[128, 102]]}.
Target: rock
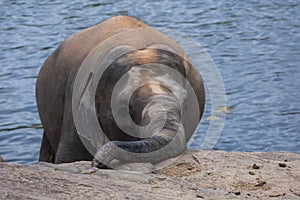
{"points": [[130, 176], [276, 195], [282, 165], [138, 167], [194, 175], [254, 166], [260, 183], [251, 173]]}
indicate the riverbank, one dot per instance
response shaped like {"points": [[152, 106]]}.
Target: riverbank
{"points": [[194, 175]]}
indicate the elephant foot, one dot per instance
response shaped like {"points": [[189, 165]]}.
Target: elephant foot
{"points": [[103, 156], [99, 164]]}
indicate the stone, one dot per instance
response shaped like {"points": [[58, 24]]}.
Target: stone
{"points": [[186, 177]]}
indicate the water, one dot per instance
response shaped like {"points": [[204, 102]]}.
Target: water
{"points": [[255, 45]]}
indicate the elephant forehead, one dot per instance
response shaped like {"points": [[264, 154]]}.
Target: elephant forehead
{"points": [[143, 56]]}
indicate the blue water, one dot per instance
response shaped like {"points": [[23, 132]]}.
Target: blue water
{"points": [[255, 45]]}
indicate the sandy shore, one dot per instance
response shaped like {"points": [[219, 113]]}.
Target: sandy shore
{"points": [[194, 175]]}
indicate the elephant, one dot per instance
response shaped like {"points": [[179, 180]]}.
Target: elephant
{"points": [[159, 104]]}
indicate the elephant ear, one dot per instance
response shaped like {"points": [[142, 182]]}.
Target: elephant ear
{"points": [[83, 101]]}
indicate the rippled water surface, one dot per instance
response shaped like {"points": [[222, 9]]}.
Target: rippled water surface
{"points": [[255, 45]]}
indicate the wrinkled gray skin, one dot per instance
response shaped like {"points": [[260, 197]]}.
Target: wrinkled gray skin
{"points": [[61, 142]]}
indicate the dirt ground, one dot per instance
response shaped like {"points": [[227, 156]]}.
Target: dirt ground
{"points": [[194, 175]]}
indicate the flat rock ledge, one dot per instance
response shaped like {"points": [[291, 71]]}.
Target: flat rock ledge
{"points": [[194, 175]]}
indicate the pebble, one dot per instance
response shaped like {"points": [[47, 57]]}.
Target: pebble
{"points": [[200, 196], [251, 173], [277, 195], [255, 166], [282, 165], [260, 183]]}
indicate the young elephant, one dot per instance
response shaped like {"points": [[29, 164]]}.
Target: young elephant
{"points": [[160, 90]]}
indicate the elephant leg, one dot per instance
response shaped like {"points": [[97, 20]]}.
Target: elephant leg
{"points": [[47, 154], [70, 148]]}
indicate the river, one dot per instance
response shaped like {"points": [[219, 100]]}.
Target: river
{"points": [[254, 44]]}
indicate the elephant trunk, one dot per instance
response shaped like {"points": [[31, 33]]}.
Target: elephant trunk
{"points": [[162, 132]]}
